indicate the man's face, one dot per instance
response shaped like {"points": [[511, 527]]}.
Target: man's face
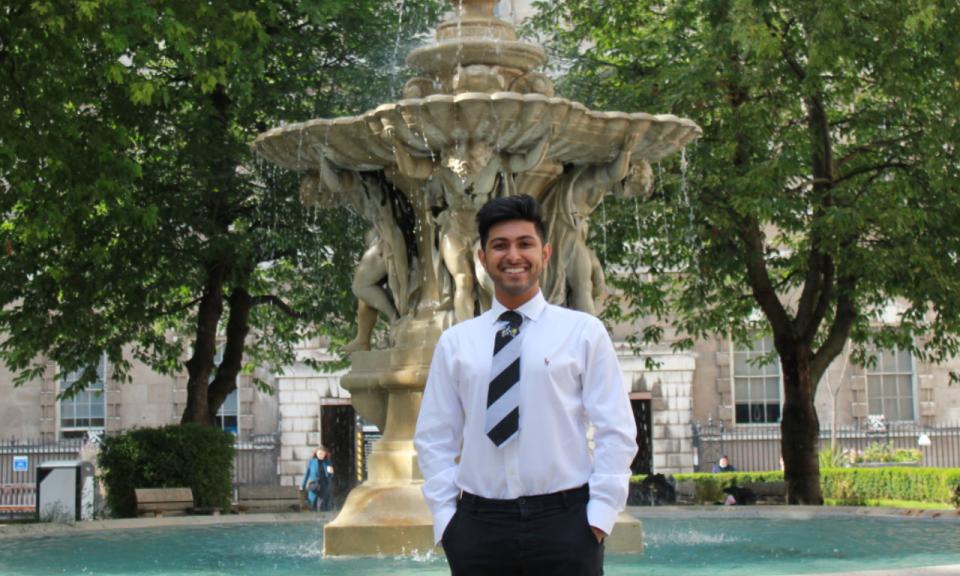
{"points": [[514, 257]]}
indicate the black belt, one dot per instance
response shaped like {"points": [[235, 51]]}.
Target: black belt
{"points": [[576, 495]]}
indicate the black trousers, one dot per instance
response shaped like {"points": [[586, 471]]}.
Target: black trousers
{"points": [[531, 536]]}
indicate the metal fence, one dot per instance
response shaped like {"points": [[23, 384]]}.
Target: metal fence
{"points": [[257, 461], [18, 470], [758, 448]]}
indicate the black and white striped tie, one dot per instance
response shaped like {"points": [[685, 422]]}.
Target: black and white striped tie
{"points": [[503, 396]]}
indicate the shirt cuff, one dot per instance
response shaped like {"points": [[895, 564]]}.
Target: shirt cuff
{"points": [[601, 515], [440, 520]]}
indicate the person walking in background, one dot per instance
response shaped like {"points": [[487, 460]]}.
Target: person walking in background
{"points": [[502, 433], [318, 481], [723, 465]]}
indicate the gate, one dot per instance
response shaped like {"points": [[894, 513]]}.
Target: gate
{"points": [[643, 416]]}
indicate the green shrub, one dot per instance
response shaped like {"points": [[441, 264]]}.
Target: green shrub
{"points": [[858, 485], [877, 452], [184, 455], [845, 486], [829, 459], [709, 487]]}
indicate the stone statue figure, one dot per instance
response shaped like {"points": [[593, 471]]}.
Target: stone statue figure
{"points": [[574, 276], [385, 258], [469, 173]]}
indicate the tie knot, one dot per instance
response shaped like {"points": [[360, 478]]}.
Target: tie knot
{"points": [[512, 317]]}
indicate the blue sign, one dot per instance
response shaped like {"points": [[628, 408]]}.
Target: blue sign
{"points": [[21, 463]]}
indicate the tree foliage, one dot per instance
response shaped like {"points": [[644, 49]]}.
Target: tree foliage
{"points": [[823, 192], [135, 215]]}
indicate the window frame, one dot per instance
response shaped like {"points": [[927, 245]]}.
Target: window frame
{"points": [[752, 377], [878, 370], [96, 390], [231, 404]]}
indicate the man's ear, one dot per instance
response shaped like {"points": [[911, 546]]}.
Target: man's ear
{"points": [[482, 257], [547, 251]]}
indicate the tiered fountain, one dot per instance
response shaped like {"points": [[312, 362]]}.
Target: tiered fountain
{"points": [[478, 121]]}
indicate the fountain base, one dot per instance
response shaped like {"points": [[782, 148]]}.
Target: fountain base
{"points": [[388, 519], [392, 519]]}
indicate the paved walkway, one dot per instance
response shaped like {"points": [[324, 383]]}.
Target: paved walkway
{"points": [[790, 512], [49, 528]]}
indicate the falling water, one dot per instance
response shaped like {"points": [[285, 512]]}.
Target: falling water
{"points": [[636, 216], [396, 44], [685, 191], [396, 61], [663, 199], [459, 57], [691, 231], [603, 211]]}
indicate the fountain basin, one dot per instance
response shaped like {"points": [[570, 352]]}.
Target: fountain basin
{"points": [[681, 541], [511, 122]]}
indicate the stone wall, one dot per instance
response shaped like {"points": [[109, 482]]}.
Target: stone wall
{"points": [[670, 389], [301, 393]]}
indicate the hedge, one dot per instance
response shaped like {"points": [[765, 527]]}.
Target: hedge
{"points": [[182, 455], [856, 485], [853, 486]]}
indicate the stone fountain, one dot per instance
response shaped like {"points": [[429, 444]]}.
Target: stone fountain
{"points": [[478, 121]]}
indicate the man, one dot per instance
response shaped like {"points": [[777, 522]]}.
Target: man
{"points": [[723, 465], [502, 432]]}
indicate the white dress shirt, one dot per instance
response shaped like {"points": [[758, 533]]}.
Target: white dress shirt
{"points": [[569, 379]]}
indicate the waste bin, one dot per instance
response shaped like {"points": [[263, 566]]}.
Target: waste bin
{"points": [[65, 491]]}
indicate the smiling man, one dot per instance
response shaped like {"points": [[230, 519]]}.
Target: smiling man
{"points": [[501, 439]]}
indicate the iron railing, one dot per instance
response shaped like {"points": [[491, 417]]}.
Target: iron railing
{"points": [[757, 448], [255, 462], [19, 460]]}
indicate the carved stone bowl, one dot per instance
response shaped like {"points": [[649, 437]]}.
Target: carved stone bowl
{"points": [[508, 121]]}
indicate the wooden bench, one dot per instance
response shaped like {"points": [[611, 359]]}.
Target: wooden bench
{"points": [[164, 501], [268, 498]]}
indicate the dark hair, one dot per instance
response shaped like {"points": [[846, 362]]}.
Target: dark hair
{"points": [[504, 208]]}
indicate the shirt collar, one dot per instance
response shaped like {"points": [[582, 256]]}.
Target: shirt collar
{"points": [[531, 309]]}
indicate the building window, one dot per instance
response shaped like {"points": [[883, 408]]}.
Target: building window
{"points": [[756, 384], [227, 414], [86, 410], [890, 385]]}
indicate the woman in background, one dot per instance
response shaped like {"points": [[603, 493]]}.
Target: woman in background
{"points": [[318, 481]]}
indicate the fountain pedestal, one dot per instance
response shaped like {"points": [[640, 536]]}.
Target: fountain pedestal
{"points": [[387, 514]]}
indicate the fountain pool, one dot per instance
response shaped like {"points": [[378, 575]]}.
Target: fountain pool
{"points": [[718, 544]]}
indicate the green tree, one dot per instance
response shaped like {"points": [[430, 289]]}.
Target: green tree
{"points": [[135, 215], [823, 190]]}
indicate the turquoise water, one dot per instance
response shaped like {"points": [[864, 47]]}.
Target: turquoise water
{"points": [[719, 547]]}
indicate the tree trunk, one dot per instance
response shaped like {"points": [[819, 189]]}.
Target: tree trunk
{"points": [[238, 326], [200, 365], [800, 429]]}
